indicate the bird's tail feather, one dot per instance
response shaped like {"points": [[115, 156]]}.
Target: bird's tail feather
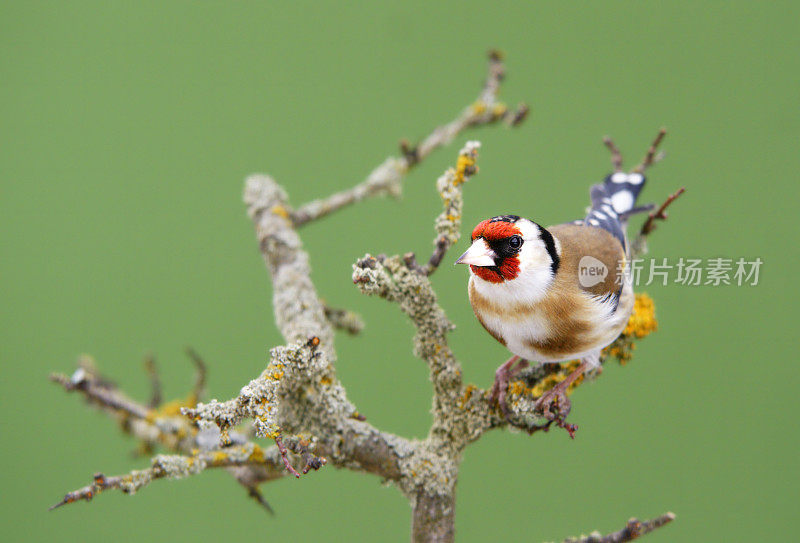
{"points": [[614, 200]]}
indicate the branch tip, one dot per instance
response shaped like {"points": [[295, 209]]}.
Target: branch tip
{"points": [[634, 529]]}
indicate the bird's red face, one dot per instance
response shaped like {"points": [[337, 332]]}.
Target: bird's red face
{"points": [[494, 254]]}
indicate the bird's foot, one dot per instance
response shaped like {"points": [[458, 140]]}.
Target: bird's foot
{"points": [[554, 405], [502, 376]]}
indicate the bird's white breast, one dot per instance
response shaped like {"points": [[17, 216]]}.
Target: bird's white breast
{"points": [[521, 316]]}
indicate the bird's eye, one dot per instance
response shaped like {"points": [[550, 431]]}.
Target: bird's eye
{"points": [[515, 242]]}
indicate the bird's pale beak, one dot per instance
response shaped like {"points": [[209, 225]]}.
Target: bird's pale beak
{"points": [[479, 254]]}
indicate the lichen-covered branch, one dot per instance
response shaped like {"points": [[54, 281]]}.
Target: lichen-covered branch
{"points": [[387, 178], [450, 187], [298, 402], [456, 421], [163, 426], [177, 467], [633, 530]]}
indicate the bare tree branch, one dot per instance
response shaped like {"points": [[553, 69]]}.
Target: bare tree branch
{"points": [[651, 157], [633, 530], [660, 214], [616, 156], [199, 389], [387, 178]]}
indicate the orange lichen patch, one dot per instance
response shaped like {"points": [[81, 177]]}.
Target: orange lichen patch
{"points": [[643, 319], [467, 395], [326, 381]]}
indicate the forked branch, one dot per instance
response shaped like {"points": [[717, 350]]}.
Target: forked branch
{"points": [[298, 401]]}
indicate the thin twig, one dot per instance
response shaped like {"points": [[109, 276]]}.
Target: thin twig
{"points": [[633, 530], [155, 381], [174, 467], [101, 394], [659, 214], [285, 457], [344, 319], [616, 156], [199, 388], [651, 158]]}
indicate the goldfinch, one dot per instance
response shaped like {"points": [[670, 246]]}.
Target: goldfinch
{"points": [[558, 293]]}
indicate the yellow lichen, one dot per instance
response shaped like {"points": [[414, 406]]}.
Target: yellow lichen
{"points": [[499, 110], [518, 388], [643, 319], [219, 458], [467, 395], [478, 108], [465, 165], [553, 379], [257, 455], [280, 211]]}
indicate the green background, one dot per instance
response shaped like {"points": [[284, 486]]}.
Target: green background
{"points": [[126, 131]]}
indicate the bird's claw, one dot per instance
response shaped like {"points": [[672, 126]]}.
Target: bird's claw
{"points": [[497, 394], [499, 390], [554, 405]]}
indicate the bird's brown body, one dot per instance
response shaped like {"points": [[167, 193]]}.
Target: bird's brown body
{"points": [[572, 318]]}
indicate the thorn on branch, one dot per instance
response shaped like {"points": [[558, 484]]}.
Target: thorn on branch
{"points": [[633, 530]]}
